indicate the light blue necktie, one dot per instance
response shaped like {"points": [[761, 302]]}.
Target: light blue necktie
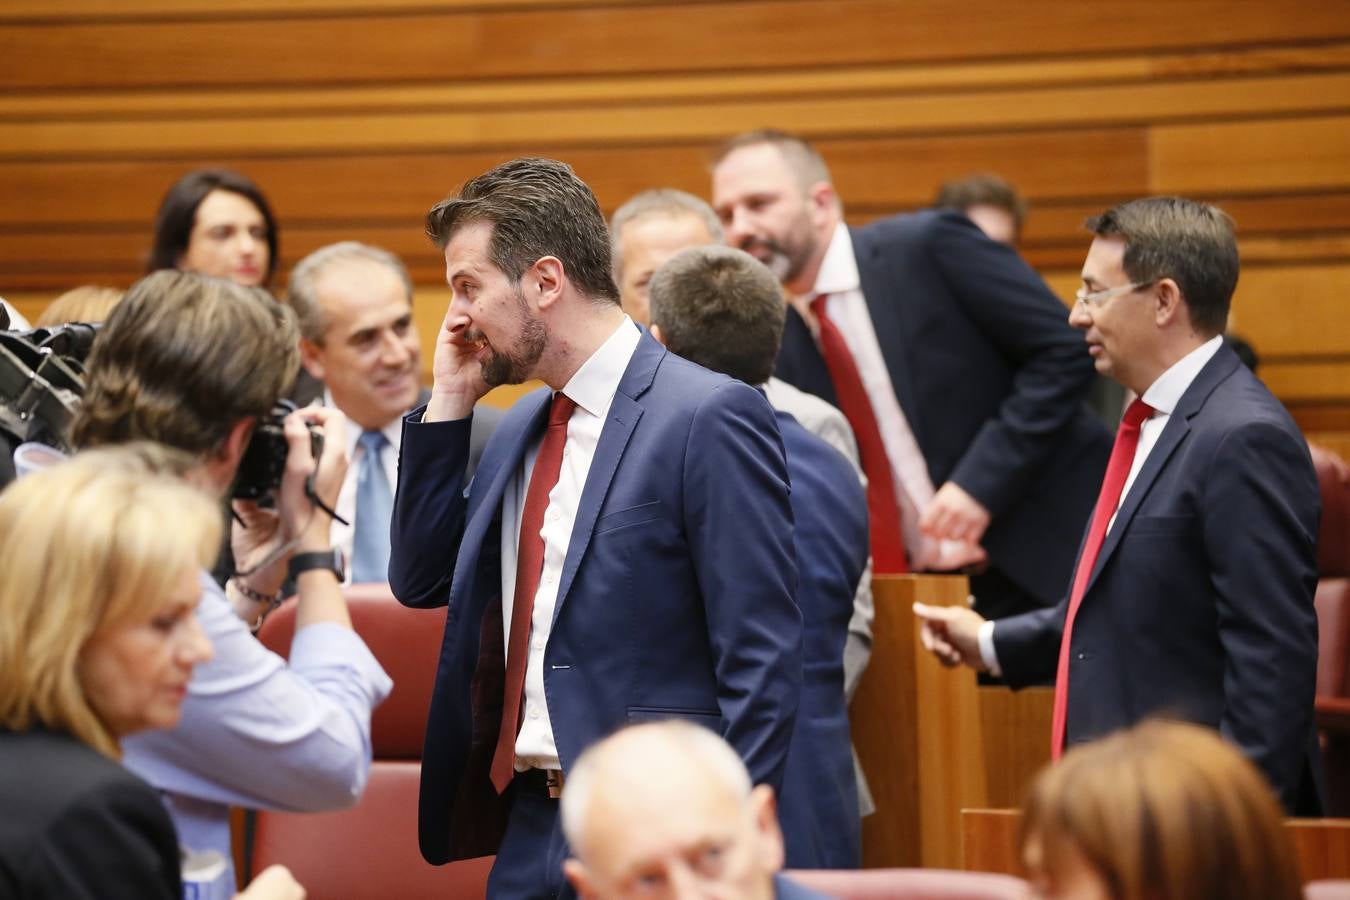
{"points": [[374, 505]]}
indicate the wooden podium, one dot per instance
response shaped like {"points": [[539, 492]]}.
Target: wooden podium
{"points": [[932, 742]]}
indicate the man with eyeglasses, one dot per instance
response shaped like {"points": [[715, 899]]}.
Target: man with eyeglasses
{"points": [[1193, 592], [951, 360]]}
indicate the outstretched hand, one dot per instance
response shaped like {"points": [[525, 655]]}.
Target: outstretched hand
{"points": [[951, 633]]}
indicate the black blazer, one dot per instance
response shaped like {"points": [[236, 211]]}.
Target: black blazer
{"points": [[991, 378], [77, 825], [1201, 601]]}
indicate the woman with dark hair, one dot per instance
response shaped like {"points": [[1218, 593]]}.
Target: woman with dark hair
{"points": [[217, 222], [1162, 811]]}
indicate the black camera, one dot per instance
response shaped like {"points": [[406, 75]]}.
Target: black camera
{"points": [[264, 461]]}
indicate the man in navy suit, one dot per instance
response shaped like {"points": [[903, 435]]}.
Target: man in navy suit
{"points": [[970, 379], [623, 552], [1199, 601], [722, 309]]}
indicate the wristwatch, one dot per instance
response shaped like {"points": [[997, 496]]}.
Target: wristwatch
{"points": [[324, 559]]}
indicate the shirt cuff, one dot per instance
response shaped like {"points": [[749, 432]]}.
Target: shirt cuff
{"points": [[987, 653]]}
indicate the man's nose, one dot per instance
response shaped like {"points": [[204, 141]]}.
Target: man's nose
{"points": [[1079, 316]]}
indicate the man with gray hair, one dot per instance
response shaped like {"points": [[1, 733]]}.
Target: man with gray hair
{"points": [[721, 308], [358, 339], [699, 829]]}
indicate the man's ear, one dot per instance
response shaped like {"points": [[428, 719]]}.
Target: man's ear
{"points": [[580, 878], [822, 199], [1168, 305], [547, 275], [656, 334], [311, 358], [768, 834]]}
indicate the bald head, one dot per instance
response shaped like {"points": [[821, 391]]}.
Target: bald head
{"points": [[697, 828]]}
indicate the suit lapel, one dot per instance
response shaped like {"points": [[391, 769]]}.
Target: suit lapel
{"points": [[1178, 426], [495, 471], [880, 289], [623, 416]]}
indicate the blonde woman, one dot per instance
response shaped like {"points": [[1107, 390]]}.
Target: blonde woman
{"points": [[99, 563], [1163, 811]]}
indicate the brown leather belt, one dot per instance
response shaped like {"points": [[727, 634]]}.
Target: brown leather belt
{"points": [[540, 782]]}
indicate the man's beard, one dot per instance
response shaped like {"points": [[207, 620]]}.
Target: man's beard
{"points": [[785, 261], [517, 363]]}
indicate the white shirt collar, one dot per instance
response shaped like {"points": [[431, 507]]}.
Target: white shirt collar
{"points": [[1165, 392], [839, 269], [593, 385], [393, 432]]}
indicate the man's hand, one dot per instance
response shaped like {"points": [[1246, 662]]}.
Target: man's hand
{"points": [[954, 515], [457, 369], [952, 634], [273, 883], [265, 530], [301, 517]]}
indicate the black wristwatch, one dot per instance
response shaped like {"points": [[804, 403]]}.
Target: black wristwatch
{"points": [[324, 559]]}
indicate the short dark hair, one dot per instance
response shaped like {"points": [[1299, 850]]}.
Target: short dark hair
{"points": [[178, 213], [1191, 243], [803, 159], [983, 189], [184, 357], [537, 207], [721, 308]]}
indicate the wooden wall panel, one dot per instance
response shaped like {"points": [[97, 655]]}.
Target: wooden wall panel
{"points": [[356, 115], [622, 38]]}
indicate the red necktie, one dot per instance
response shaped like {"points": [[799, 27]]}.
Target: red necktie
{"points": [[888, 549], [529, 565], [1117, 470]]}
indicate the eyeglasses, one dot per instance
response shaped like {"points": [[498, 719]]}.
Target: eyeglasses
{"points": [[1095, 299]]}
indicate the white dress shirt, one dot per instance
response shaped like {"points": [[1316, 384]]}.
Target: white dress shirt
{"points": [[592, 388], [1162, 395], [838, 280], [342, 535]]}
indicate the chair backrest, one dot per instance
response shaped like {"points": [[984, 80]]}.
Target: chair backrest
{"points": [[407, 642], [1333, 535], [369, 850], [1333, 637], [909, 884]]}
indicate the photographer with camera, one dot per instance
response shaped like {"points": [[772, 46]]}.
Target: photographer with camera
{"points": [[198, 363]]}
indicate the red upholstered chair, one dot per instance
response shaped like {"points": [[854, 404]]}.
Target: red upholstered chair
{"points": [[407, 642], [368, 851], [1333, 622], [371, 850], [909, 884]]}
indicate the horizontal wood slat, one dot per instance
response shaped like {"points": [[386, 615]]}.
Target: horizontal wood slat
{"points": [[978, 111], [794, 83], [1290, 155], [623, 39]]}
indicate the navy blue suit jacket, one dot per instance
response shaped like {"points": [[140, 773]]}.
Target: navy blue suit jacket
{"points": [[1200, 604], [818, 806], [991, 378], [675, 600]]}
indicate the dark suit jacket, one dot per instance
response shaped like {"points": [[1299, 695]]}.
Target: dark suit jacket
{"points": [[1201, 601], [818, 806], [991, 378], [77, 826], [676, 597]]}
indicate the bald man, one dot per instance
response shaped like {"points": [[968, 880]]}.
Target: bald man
{"points": [[699, 829]]}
